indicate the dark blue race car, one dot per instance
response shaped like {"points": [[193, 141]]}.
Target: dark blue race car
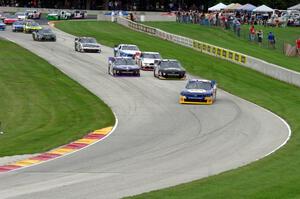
{"points": [[199, 91], [118, 66], [18, 26]]}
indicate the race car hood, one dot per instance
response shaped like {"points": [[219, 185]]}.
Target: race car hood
{"points": [[196, 92], [90, 45], [172, 69], [2, 24], [126, 67]]}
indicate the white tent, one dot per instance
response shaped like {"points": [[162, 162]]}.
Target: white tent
{"points": [[217, 7], [296, 7], [263, 8]]}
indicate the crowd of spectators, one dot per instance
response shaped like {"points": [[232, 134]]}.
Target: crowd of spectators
{"points": [[230, 21]]}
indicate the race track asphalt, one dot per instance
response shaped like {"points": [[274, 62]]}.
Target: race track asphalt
{"points": [[157, 143]]}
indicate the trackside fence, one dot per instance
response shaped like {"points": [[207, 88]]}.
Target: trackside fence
{"points": [[259, 65]]}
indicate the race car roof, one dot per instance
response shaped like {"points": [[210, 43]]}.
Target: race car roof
{"points": [[199, 80], [151, 53]]}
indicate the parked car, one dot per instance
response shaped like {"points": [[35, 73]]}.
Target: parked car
{"points": [[86, 44], [79, 14], [44, 35], [199, 91], [169, 68], [18, 26], [59, 15], [118, 66], [33, 14]]}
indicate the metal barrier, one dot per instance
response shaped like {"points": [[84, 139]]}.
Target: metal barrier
{"points": [[262, 66]]}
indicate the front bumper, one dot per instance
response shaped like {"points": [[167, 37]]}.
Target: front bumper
{"points": [[135, 72], [205, 100], [147, 67], [91, 49]]}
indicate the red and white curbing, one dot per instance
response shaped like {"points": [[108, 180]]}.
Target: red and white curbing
{"points": [[88, 140]]}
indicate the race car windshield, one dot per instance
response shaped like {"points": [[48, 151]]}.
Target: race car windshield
{"points": [[124, 62], [34, 24], [12, 17], [46, 31], [129, 48], [88, 40], [169, 64], [19, 23], [151, 56], [199, 85]]}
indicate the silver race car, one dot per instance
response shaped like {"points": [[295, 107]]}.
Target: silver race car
{"points": [[87, 44], [44, 35]]}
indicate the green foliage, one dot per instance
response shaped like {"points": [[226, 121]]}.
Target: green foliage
{"points": [[276, 176], [40, 107]]}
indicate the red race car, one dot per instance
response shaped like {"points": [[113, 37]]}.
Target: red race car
{"points": [[10, 19]]}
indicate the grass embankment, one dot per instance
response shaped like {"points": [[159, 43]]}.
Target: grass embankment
{"points": [[276, 176], [227, 39], [41, 108]]}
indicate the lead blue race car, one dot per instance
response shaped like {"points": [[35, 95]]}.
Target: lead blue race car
{"points": [[199, 92]]}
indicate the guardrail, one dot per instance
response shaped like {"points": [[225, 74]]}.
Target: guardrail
{"points": [[259, 65]]}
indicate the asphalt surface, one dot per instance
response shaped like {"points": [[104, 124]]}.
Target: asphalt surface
{"points": [[157, 143]]}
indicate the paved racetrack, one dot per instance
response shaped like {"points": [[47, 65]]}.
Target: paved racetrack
{"points": [[157, 143]]}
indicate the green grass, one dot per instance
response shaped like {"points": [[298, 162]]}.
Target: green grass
{"points": [[277, 176], [41, 108], [227, 39]]}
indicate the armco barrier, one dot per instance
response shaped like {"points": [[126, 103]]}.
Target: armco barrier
{"points": [[259, 65]]}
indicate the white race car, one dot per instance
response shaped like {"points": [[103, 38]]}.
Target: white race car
{"points": [[147, 60], [21, 15], [126, 50]]}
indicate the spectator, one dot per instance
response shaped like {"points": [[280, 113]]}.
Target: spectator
{"points": [[238, 28], [252, 33], [260, 36], [298, 46], [271, 39]]}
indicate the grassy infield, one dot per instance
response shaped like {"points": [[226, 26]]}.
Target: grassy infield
{"points": [[40, 107], [227, 39], [276, 176]]}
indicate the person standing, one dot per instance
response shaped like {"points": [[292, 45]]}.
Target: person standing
{"points": [[271, 39], [298, 46], [260, 36], [252, 33], [238, 28]]}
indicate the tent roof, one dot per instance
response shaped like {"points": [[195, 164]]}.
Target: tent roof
{"points": [[295, 7], [263, 8], [217, 7], [247, 7], [233, 6]]}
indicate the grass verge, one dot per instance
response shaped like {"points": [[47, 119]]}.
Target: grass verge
{"points": [[276, 176], [226, 39], [41, 108]]}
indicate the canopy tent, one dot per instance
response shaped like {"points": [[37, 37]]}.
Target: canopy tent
{"points": [[247, 7], [233, 6], [218, 7], [263, 8], [296, 7]]}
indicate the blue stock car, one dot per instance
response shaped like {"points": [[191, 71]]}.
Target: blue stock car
{"points": [[126, 50], [118, 66], [199, 92], [2, 25], [18, 26]]}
